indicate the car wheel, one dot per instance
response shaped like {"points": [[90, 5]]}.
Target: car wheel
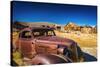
{"points": [[80, 54], [67, 52]]}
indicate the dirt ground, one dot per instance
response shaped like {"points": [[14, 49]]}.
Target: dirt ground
{"points": [[87, 42]]}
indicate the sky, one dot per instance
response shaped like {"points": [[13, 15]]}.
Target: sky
{"points": [[54, 13]]}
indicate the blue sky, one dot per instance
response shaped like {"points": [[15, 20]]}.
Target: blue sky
{"points": [[54, 13]]}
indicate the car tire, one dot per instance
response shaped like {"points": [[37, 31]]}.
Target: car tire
{"points": [[80, 54]]}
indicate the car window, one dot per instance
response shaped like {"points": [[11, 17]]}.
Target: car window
{"points": [[26, 34], [36, 34], [43, 32], [50, 33]]}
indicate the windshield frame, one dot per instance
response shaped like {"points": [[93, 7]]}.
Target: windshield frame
{"points": [[41, 30]]}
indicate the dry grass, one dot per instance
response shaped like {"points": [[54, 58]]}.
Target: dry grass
{"points": [[15, 36], [84, 40], [16, 55]]}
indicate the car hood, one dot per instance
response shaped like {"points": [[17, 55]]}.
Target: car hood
{"points": [[55, 40]]}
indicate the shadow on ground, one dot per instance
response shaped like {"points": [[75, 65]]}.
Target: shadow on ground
{"points": [[89, 58]]}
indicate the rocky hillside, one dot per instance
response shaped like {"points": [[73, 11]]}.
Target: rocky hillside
{"points": [[71, 26]]}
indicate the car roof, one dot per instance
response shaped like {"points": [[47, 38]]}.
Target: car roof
{"points": [[33, 28], [41, 28]]}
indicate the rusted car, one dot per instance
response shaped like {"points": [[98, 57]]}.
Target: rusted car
{"points": [[43, 41]]}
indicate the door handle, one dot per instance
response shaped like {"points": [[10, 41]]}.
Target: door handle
{"points": [[32, 42]]}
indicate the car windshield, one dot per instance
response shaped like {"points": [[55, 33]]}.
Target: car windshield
{"points": [[26, 34], [43, 32]]}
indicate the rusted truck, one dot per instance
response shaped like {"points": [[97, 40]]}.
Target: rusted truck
{"points": [[37, 43]]}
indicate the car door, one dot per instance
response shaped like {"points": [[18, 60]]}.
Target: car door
{"points": [[40, 46], [45, 47], [27, 47]]}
